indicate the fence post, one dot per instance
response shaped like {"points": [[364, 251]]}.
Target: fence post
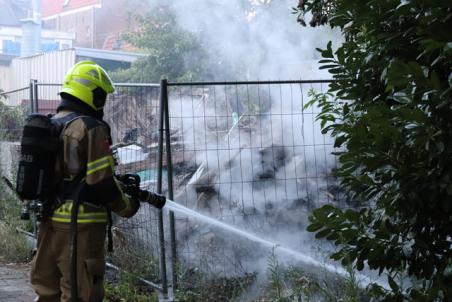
{"points": [[31, 96], [163, 96], [35, 97], [169, 165]]}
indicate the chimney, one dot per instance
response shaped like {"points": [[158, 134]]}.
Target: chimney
{"points": [[31, 31]]}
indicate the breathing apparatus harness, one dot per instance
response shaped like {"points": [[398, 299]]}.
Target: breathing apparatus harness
{"points": [[40, 145]]}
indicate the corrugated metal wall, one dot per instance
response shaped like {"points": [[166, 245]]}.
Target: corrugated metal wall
{"points": [[46, 68], [5, 78]]}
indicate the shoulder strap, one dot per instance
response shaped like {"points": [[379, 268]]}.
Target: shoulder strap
{"points": [[64, 121], [67, 187]]}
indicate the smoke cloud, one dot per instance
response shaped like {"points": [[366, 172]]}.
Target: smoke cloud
{"points": [[257, 39], [252, 156], [254, 159]]}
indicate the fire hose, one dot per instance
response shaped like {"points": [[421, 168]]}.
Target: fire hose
{"points": [[130, 184]]}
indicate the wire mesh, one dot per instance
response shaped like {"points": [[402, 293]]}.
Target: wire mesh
{"points": [[250, 155], [46, 97], [132, 113], [14, 106]]}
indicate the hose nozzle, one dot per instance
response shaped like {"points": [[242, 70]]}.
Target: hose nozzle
{"points": [[131, 186], [154, 199]]}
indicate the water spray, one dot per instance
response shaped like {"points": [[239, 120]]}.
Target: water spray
{"points": [[363, 281]]}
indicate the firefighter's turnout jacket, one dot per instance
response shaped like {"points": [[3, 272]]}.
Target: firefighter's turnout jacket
{"points": [[86, 154], [86, 151]]}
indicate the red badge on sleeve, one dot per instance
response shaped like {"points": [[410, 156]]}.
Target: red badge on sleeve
{"points": [[106, 145]]}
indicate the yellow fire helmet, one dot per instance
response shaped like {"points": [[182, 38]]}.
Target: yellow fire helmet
{"points": [[88, 82]]}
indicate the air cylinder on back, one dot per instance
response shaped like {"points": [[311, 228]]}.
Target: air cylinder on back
{"points": [[39, 146]]}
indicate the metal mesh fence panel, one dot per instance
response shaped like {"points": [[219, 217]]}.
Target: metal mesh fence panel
{"points": [[46, 98], [132, 113], [15, 105], [249, 155]]}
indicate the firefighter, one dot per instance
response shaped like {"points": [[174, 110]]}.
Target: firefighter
{"points": [[84, 171]]}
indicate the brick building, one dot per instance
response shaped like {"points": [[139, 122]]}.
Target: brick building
{"points": [[96, 23]]}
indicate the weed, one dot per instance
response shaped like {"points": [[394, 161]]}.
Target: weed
{"points": [[130, 256], [127, 289], [294, 284], [14, 247], [276, 281], [196, 286]]}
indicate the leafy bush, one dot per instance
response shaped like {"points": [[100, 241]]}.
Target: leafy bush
{"points": [[391, 114], [11, 122]]}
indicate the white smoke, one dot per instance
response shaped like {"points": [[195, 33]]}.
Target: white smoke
{"points": [[260, 170], [258, 41], [261, 161]]}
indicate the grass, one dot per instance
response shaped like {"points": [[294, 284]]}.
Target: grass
{"points": [[284, 284], [293, 284], [196, 286], [126, 288], [14, 246], [134, 260]]}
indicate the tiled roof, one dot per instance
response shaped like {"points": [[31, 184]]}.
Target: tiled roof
{"points": [[110, 40], [53, 7], [114, 42]]}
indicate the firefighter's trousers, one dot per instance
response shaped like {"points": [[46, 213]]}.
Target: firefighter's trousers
{"points": [[51, 270]]}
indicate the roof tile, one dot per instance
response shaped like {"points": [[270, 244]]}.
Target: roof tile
{"points": [[53, 7]]}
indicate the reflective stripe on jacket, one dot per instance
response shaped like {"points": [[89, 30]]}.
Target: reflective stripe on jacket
{"points": [[86, 152], [86, 214]]}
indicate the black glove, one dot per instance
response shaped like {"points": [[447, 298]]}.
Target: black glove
{"points": [[135, 206], [130, 184]]}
